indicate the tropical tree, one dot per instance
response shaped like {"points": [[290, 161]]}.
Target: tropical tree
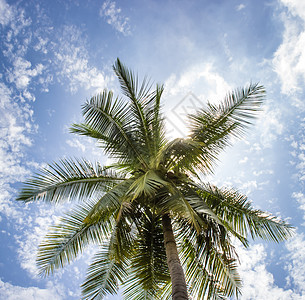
{"points": [[161, 230]]}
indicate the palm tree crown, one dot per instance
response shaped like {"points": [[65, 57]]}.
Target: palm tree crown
{"points": [[162, 232]]}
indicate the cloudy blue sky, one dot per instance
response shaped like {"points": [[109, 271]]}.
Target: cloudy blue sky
{"points": [[56, 54]]}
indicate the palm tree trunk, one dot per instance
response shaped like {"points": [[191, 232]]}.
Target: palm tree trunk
{"points": [[179, 290]]}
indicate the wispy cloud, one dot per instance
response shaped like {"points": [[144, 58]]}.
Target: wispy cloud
{"points": [[296, 263], [22, 73], [258, 283], [6, 13], [114, 17], [15, 127], [300, 198], [240, 7], [270, 124], [13, 292], [76, 143], [71, 59], [289, 59]]}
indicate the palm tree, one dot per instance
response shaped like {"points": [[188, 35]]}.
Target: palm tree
{"points": [[151, 206]]}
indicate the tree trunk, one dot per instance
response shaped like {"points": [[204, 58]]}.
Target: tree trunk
{"points": [[179, 290]]}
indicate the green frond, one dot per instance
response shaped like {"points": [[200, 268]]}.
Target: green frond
{"points": [[130, 83], [110, 265], [147, 184], [113, 198], [140, 98], [149, 273], [110, 120], [203, 257], [234, 114], [155, 122], [182, 155], [87, 130], [184, 203], [103, 276], [236, 210], [215, 125], [69, 179], [69, 238]]}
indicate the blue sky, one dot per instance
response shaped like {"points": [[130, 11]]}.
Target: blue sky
{"points": [[56, 54]]}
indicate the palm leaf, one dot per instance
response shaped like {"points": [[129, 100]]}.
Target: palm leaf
{"points": [[104, 276], [203, 257], [147, 184], [109, 266], [212, 128], [69, 179], [113, 121], [235, 209], [148, 269], [139, 96], [233, 115], [113, 198], [70, 236]]}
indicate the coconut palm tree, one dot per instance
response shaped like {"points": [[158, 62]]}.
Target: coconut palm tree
{"points": [[161, 230]]}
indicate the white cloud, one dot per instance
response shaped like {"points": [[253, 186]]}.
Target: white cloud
{"points": [[249, 186], [41, 45], [240, 7], [269, 125], [16, 121], [75, 143], [289, 58], [37, 226], [15, 126], [296, 7], [184, 93], [72, 63], [300, 197], [201, 75], [296, 266], [6, 13], [258, 283], [22, 73], [114, 17], [13, 292]]}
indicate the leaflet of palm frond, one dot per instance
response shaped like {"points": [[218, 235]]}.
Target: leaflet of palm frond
{"points": [[70, 237], [203, 257], [149, 272], [146, 184], [112, 199], [237, 211], [112, 119], [69, 179]]}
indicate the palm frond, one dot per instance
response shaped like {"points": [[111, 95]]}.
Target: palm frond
{"points": [[130, 83], [110, 120], [184, 203], [139, 96], [155, 122], [113, 198], [184, 156], [212, 128], [237, 212], [110, 265], [70, 236], [147, 184], [103, 277], [204, 258], [148, 268], [234, 114], [68, 179]]}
